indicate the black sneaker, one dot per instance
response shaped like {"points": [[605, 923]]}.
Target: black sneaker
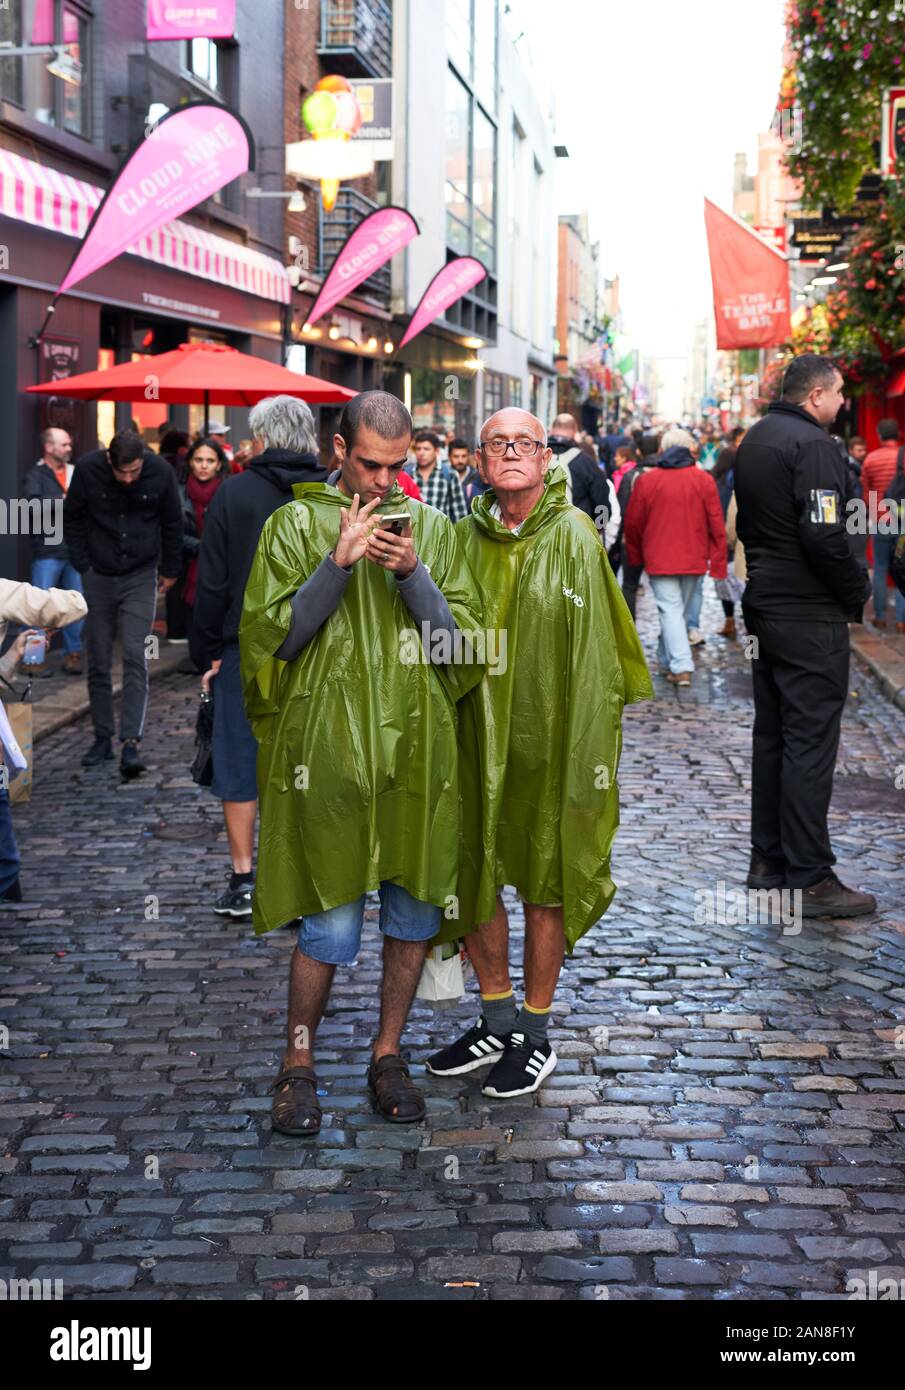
{"points": [[130, 764], [521, 1069], [474, 1049], [101, 751], [235, 902]]}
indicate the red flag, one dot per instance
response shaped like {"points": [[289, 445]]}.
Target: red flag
{"points": [[750, 284]]}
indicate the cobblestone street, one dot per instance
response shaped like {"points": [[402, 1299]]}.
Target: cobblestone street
{"points": [[726, 1120]]}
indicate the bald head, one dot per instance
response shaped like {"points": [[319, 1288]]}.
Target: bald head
{"points": [[512, 422], [566, 426], [513, 456]]}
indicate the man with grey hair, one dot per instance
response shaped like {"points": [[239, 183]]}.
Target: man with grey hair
{"points": [[285, 439], [539, 747]]}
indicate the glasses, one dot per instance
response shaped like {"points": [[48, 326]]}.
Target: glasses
{"points": [[525, 447]]}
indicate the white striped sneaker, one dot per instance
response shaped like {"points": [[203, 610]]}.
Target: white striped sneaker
{"points": [[474, 1049], [521, 1069]]}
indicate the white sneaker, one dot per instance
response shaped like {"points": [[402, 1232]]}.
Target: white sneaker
{"points": [[696, 638]]}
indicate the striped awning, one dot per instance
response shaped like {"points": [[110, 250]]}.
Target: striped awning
{"points": [[45, 197]]}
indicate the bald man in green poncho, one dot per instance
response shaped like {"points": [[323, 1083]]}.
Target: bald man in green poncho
{"points": [[357, 759], [540, 740]]}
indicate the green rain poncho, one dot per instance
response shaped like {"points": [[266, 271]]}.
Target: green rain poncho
{"points": [[357, 757], [540, 737]]}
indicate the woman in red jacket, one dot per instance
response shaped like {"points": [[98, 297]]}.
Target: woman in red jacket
{"points": [[674, 527]]}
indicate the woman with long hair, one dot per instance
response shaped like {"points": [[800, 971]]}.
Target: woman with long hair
{"points": [[206, 468]]}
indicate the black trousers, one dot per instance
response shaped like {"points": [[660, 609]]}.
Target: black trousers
{"points": [[631, 578], [800, 689], [127, 601]]}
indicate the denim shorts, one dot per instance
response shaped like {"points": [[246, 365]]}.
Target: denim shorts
{"points": [[334, 937], [234, 747]]}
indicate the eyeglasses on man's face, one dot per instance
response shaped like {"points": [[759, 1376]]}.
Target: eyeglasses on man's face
{"points": [[524, 446]]}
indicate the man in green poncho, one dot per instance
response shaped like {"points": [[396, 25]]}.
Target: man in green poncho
{"points": [[357, 759], [539, 746]]}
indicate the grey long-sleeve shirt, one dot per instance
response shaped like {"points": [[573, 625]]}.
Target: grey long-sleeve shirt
{"points": [[322, 594]]}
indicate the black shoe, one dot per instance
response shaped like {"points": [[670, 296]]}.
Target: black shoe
{"points": [[13, 893], [474, 1049], [766, 873], [130, 764], [521, 1069], [235, 902], [830, 898], [101, 751]]}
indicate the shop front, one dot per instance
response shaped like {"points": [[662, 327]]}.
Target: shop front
{"points": [[181, 284]]}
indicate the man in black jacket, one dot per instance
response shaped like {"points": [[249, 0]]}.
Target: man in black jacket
{"points": [[47, 483], [804, 587], [122, 520], [284, 429]]}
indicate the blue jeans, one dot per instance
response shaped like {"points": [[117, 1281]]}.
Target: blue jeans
{"points": [[884, 547], [674, 595], [334, 937], [693, 616], [9, 850], [49, 573]]}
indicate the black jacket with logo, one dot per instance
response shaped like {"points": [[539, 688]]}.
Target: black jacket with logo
{"points": [[232, 528], [114, 528], [791, 488]]}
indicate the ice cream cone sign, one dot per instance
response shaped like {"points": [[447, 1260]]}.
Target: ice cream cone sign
{"points": [[332, 116]]}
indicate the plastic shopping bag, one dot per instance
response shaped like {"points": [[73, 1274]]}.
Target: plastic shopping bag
{"points": [[443, 979]]}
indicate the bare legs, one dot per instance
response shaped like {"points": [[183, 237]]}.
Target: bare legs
{"points": [[309, 990], [240, 832], [402, 965], [545, 946]]}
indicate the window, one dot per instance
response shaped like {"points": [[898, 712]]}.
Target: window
{"points": [[540, 336], [203, 61], [470, 143], [458, 200], [52, 86], [521, 228], [515, 391], [493, 392], [471, 43], [484, 29], [483, 180], [459, 35]]}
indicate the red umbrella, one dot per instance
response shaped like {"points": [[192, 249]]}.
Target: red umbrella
{"points": [[196, 372]]}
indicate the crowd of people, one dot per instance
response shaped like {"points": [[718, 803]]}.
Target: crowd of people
{"points": [[295, 581]]}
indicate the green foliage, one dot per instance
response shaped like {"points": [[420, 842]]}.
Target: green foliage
{"points": [[845, 53]]}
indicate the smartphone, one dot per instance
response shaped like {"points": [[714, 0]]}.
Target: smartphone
{"points": [[35, 648], [400, 523]]}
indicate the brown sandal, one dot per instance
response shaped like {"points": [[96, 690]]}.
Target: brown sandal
{"points": [[296, 1109], [394, 1094]]}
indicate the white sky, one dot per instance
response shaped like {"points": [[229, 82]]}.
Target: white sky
{"points": [[653, 100]]}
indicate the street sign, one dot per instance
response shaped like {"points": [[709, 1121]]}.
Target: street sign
{"points": [[375, 98], [816, 238]]}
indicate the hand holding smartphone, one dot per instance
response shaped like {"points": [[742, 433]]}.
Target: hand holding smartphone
{"points": [[35, 648], [391, 546]]}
